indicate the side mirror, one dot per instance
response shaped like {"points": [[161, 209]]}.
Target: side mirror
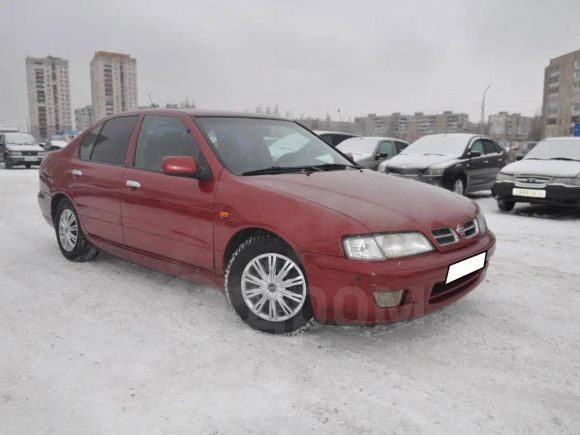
{"points": [[519, 157], [180, 166], [381, 156], [472, 154]]}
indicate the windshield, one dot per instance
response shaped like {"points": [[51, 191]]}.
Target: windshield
{"points": [[449, 145], [19, 139], [358, 146], [556, 149], [248, 144]]}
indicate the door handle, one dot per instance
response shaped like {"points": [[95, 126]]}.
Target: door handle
{"points": [[76, 172], [486, 161], [133, 184]]}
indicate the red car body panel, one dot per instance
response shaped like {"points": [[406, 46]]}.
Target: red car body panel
{"points": [[183, 226]]}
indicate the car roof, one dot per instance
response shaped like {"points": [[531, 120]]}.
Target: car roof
{"points": [[570, 138], [377, 138], [200, 113], [335, 132]]}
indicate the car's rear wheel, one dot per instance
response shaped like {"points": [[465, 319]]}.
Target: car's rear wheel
{"points": [[69, 234], [267, 286], [505, 205], [458, 186]]}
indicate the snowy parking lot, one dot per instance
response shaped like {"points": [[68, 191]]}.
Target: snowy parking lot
{"points": [[111, 347]]}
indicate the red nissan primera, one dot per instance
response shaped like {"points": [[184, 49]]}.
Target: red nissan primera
{"points": [[292, 229]]}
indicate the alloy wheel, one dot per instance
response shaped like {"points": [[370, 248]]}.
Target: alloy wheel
{"points": [[68, 230], [273, 287]]}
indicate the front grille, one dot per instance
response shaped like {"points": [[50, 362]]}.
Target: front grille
{"points": [[448, 236], [532, 180], [441, 291], [403, 171], [28, 153], [445, 236], [470, 229]]}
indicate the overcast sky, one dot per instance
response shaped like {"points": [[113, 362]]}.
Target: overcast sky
{"points": [[309, 57]]}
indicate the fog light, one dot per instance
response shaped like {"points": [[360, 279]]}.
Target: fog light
{"points": [[389, 299]]}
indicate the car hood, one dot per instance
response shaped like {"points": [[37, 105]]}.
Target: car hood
{"points": [[418, 161], [549, 168], [12, 147], [378, 201]]}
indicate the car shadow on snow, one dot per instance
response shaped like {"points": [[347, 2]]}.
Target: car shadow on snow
{"points": [[547, 212]]}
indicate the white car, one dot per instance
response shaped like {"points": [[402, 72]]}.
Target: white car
{"points": [[549, 173]]}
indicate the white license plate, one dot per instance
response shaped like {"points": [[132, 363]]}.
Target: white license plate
{"points": [[530, 193], [465, 267], [30, 159]]}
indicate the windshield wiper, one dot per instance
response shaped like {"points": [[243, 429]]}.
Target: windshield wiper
{"points": [[290, 169], [568, 159]]}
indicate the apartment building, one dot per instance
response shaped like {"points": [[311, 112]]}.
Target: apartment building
{"points": [[561, 104], [504, 126], [83, 117], [411, 127], [113, 83], [49, 107]]}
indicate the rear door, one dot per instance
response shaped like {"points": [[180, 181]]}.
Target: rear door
{"points": [[98, 178], [167, 216]]}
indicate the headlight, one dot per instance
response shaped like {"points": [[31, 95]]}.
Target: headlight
{"points": [[481, 223], [434, 171], [15, 153], [504, 177], [385, 246], [567, 181], [41, 153]]}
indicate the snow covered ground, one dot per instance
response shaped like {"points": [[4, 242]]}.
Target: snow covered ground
{"points": [[111, 347]]}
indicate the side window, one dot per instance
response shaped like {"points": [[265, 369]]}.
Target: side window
{"points": [[489, 147], [87, 144], [478, 147], [113, 140], [163, 136], [400, 146], [386, 148]]}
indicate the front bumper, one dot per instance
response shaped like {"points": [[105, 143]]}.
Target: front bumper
{"points": [[342, 290], [25, 160], [557, 194], [436, 180]]}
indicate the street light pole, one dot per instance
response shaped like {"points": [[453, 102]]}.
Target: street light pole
{"points": [[483, 109]]}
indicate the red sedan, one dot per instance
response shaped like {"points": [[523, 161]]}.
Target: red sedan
{"points": [[263, 207]]}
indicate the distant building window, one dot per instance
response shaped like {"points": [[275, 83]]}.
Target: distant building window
{"points": [[552, 121]]}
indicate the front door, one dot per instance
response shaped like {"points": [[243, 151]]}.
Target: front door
{"points": [[167, 216], [477, 168]]}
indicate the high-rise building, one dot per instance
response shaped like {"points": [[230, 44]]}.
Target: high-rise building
{"points": [[504, 126], [113, 83], [83, 117], [561, 106], [49, 105]]}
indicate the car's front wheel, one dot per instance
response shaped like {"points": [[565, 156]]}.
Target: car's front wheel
{"points": [[458, 186], [267, 286], [69, 234], [505, 205], [8, 163]]}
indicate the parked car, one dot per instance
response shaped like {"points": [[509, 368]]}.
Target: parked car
{"points": [[548, 174], [57, 142], [334, 137], [20, 149], [369, 152], [302, 235], [462, 163]]}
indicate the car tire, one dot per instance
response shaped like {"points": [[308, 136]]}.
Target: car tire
{"points": [[458, 186], [506, 206], [28, 165], [7, 163], [69, 234], [256, 293]]}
